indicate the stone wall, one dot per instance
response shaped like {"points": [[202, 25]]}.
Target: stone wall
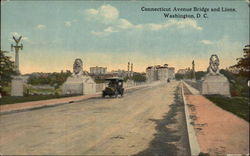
{"points": [[100, 87]]}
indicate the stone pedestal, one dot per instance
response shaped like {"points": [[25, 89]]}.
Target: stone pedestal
{"points": [[215, 84], [17, 84], [81, 85]]}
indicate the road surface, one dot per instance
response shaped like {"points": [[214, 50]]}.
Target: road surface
{"points": [[148, 120]]}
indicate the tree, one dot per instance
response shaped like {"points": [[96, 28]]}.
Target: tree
{"points": [[6, 69], [238, 85], [179, 76], [138, 77], [244, 62], [52, 79], [200, 74]]}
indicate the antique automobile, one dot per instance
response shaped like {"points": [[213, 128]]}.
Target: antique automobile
{"points": [[114, 87]]}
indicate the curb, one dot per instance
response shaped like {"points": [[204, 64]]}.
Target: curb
{"points": [[191, 89], [193, 143]]}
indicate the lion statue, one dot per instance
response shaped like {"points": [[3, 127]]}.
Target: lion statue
{"points": [[78, 67], [214, 65]]}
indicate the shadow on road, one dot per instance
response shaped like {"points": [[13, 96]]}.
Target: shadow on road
{"points": [[170, 141]]}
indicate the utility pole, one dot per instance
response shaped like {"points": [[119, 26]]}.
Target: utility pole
{"points": [[128, 69], [132, 70]]}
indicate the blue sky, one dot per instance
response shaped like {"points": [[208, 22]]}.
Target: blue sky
{"points": [[112, 33]]}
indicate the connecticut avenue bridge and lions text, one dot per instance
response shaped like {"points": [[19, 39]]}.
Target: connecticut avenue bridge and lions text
{"points": [[201, 12]]}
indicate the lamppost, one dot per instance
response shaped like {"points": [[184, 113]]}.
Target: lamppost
{"points": [[17, 82], [17, 48], [193, 71]]}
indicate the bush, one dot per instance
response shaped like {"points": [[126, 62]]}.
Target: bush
{"points": [[238, 84], [52, 79]]}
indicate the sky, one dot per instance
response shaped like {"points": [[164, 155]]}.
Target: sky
{"points": [[112, 33]]}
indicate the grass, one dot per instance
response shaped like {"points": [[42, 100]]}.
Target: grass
{"points": [[236, 105], [11, 99]]}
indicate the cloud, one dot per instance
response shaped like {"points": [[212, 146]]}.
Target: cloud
{"points": [[105, 14], [179, 24], [123, 24], [207, 42], [41, 27], [17, 35], [69, 23], [109, 15], [223, 42], [101, 34]]}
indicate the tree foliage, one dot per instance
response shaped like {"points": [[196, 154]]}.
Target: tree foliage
{"points": [[238, 83], [200, 74], [138, 77], [188, 75], [52, 79], [6, 69], [243, 63], [179, 76]]}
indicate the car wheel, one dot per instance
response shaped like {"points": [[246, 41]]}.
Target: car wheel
{"points": [[116, 94]]}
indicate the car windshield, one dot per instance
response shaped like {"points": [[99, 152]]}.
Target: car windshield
{"points": [[112, 84]]}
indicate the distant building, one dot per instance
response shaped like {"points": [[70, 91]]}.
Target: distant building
{"points": [[158, 72], [151, 73], [171, 72], [98, 70], [162, 73]]}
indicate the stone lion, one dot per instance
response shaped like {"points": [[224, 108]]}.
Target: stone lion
{"points": [[78, 67], [214, 65]]}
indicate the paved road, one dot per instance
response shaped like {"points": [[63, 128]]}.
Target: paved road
{"points": [[148, 120]]}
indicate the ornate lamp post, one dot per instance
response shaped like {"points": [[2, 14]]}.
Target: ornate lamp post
{"points": [[17, 48], [17, 82]]}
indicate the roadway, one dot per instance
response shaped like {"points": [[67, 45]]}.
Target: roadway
{"points": [[148, 120]]}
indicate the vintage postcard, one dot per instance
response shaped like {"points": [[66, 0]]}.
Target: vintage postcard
{"points": [[121, 77]]}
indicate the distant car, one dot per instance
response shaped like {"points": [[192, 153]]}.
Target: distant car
{"points": [[168, 80], [114, 88]]}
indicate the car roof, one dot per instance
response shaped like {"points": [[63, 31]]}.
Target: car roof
{"points": [[114, 78]]}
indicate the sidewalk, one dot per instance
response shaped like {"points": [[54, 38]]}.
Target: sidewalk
{"points": [[43, 103], [218, 132], [53, 102]]}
